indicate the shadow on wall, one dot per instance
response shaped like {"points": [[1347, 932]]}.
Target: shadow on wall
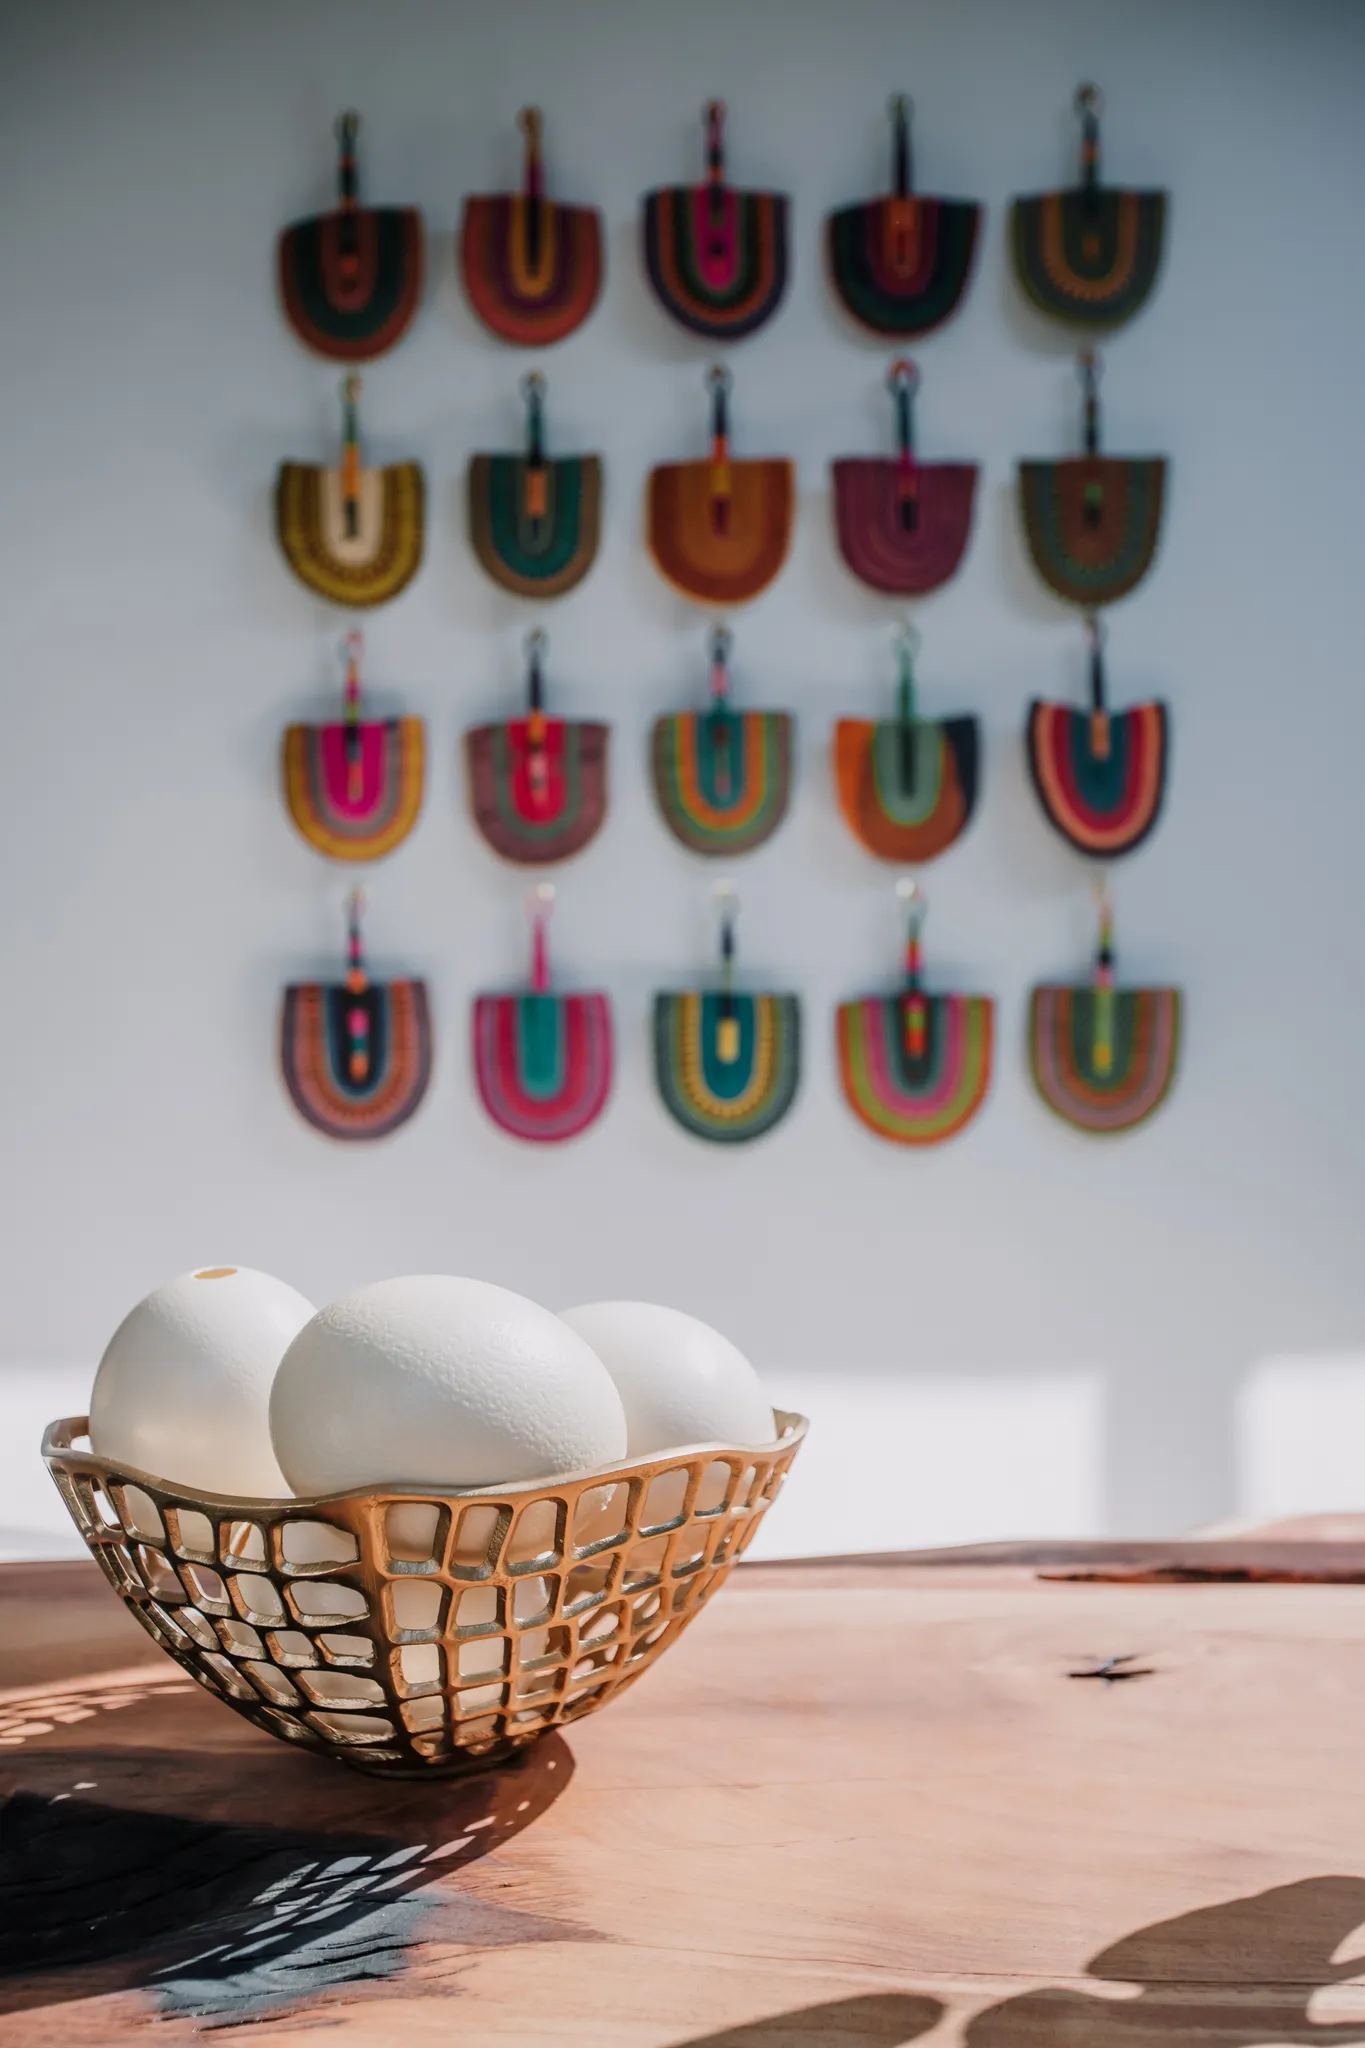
{"points": [[1239, 1975]]}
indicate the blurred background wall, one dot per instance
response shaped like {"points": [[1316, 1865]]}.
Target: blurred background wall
{"points": [[1024, 1330]]}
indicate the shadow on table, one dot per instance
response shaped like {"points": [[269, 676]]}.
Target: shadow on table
{"points": [[1239, 1975], [238, 1881], [881, 2019]]}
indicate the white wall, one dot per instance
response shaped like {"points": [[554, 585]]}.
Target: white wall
{"points": [[155, 896]]}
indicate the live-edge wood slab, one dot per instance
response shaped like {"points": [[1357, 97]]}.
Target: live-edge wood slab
{"points": [[861, 1802]]}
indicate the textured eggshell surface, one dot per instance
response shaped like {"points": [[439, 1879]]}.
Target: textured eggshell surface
{"points": [[441, 1382], [183, 1389], [680, 1381]]}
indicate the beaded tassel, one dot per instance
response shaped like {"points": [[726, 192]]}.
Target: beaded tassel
{"points": [[350, 457], [1099, 715], [727, 1024], [1104, 985], [537, 485], [914, 1008], [903, 380], [542, 903], [357, 984], [351, 650], [1093, 499], [537, 758], [719, 380]]}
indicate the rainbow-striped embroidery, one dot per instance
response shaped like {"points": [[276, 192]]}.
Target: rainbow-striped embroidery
{"points": [[716, 257], [719, 530], [915, 1068], [722, 777], [727, 1073], [535, 523], [356, 1055], [543, 1062], [906, 785], [351, 534], [1100, 774], [903, 525], [354, 787], [727, 1064], [1092, 523], [923, 1098], [538, 785], [351, 280], [532, 268], [1103, 1058], [901, 264], [1090, 255]]}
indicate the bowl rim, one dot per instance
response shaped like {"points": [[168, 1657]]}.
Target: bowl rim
{"points": [[58, 1447]]}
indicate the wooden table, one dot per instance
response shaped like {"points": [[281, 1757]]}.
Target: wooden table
{"points": [[866, 1802]]}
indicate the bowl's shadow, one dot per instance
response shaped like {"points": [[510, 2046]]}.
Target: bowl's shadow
{"points": [[237, 1880]]}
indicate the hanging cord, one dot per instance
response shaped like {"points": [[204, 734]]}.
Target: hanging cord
{"points": [[352, 647], [902, 381], [1099, 710], [1102, 1050], [357, 986], [1090, 105], [540, 902], [350, 457], [902, 172], [348, 196], [713, 119], [537, 753], [914, 1008], [536, 473], [727, 1024], [532, 124], [719, 719], [907, 647], [1089, 369], [718, 382]]}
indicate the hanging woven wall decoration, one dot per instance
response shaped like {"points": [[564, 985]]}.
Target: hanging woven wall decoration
{"points": [[1104, 1057], [727, 1064], [538, 785], [356, 1054], [722, 777], [1100, 774], [543, 1062], [906, 785], [716, 257], [532, 268], [351, 280], [915, 1068], [901, 264], [535, 523], [903, 525], [1092, 522], [719, 530], [352, 534], [1089, 256], [354, 787]]}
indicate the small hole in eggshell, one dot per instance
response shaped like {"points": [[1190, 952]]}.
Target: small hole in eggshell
{"points": [[215, 1273]]}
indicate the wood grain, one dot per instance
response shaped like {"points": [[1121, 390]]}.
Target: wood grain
{"points": [[860, 1803]]}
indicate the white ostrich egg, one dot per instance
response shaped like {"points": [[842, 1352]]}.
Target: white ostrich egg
{"points": [[183, 1388], [680, 1381], [440, 1382]]}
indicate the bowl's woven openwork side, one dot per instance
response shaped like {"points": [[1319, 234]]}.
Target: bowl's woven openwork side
{"points": [[408, 1632]]}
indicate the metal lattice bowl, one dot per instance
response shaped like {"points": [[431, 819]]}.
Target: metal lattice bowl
{"points": [[408, 1632]]}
